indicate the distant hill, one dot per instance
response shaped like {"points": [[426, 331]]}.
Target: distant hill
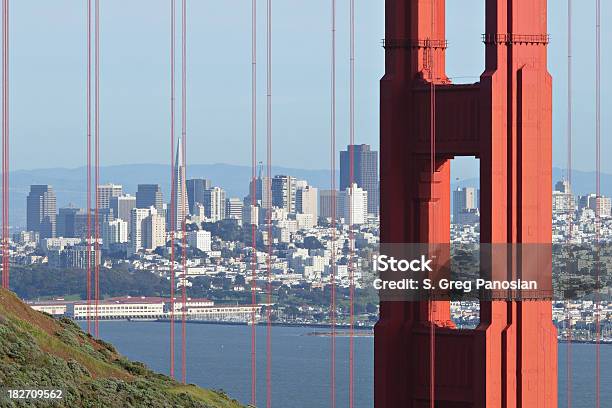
{"points": [[38, 351], [70, 184]]}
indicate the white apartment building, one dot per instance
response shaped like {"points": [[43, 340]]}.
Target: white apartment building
{"points": [[114, 232], [354, 205], [148, 229], [199, 239]]}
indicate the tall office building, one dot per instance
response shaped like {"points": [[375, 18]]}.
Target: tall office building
{"points": [[122, 206], [283, 192], [233, 209], [105, 192], [195, 192], [365, 172], [327, 199], [180, 189], [262, 191], [72, 223], [353, 205], [306, 201], [464, 200], [214, 204], [149, 195], [41, 207]]}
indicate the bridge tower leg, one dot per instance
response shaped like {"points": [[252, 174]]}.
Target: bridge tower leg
{"points": [[510, 359]]}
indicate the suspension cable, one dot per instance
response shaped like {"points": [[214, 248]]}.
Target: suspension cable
{"points": [[352, 199], [97, 168], [332, 310], [5, 147], [253, 201], [183, 175], [172, 181], [597, 201], [88, 103], [570, 206], [269, 212]]}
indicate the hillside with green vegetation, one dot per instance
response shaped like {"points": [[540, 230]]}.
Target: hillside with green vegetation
{"points": [[38, 351]]}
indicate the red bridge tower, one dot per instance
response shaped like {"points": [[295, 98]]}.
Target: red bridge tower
{"points": [[510, 359]]}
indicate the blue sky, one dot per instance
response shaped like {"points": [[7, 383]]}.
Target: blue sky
{"points": [[48, 79]]}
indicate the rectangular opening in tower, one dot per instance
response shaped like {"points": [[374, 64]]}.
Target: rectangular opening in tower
{"points": [[465, 228], [465, 52]]}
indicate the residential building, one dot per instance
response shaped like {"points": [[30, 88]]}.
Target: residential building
{"points": [[354, 205], [199, 239], [283, 192], [233, 209]]}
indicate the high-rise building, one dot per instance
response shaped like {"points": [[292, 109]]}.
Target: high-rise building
{"points": [[214, 204], [233, 209], [464, 199], [105, 192], [41, 207], [114, 232], [148, 230], [149, 195], [250, 214], [154, 231], [353, 204], [180, 189], [563, 200], [199, 239], [72, 223], [137, 219], [365, 172], [122, 206], [600, 205], [327, 200], [283, 192], [195, 192], [306, 201], [262, 189]]}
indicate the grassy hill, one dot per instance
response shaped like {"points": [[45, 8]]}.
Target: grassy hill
{"points": [[38, 351]]}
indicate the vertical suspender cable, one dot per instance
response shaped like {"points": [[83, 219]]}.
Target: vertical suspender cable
{"points": [[598, 199], [183, 171], [570, 206], [352, 199], [97, 169], [5, 147], [253, 201], [269, 210], [88, 103], [332, 309], [172, 187]]}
